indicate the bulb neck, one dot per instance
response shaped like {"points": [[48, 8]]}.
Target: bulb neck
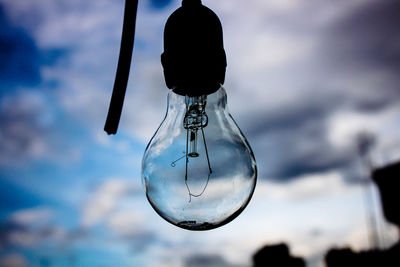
{"points": [[196, 90], [187, 3], [194, 59]]}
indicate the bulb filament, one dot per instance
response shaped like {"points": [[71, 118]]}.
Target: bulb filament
{"points": [[195, 119], [193, 143]]}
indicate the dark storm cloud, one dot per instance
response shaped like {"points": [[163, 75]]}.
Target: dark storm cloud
{"points": [[371, 34], [294, 140], [34, 227], [20, 58], [6, 228], [16, 234], [298, 144], [351, 51], [367, 40], [312, 110]]}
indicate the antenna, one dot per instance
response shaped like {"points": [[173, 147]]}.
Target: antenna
{"points": [[365, 141]]}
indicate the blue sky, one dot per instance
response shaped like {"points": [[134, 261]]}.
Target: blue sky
{"points": [[304, 78]]}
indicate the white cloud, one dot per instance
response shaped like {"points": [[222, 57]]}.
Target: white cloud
{"points": [[305, 187], [105, 200], [127, 223], [343, 127], [32, 216]]}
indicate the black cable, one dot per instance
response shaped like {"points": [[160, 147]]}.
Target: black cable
{"points": [[124, 64]]}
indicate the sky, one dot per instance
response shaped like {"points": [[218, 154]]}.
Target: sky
{"points": [[304, 79]]}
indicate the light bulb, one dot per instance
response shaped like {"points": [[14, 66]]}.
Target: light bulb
{"points": [[198, 170]]}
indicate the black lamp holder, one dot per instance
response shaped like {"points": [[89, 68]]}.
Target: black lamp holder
{"points": [[194, 59]]}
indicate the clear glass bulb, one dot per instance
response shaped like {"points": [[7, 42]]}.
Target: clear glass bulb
{"points": [[198, 170]]}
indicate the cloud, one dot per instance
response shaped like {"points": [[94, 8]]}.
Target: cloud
{"points": [[22, 133], [84, 79], [303, 78], [370, 34], [30, 238], [298, 72], [29, 228], [202, 260], [306, 187], [28, 132], [115, 205], [31, 216], [105, 201], [303, 74], [293, 140], [13, 260], [126, 224], [363, 54]]}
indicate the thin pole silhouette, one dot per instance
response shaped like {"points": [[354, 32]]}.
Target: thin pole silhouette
{"points": [[124, 64], [365, 142]]}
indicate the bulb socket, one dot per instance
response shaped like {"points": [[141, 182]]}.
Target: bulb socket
{"points": [[194, 59]]}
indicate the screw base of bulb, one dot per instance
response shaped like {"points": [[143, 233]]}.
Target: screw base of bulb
{"points": [[193, 92]]}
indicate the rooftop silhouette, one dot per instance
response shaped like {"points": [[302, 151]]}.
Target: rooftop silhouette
{"points": [[276, 255]]}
